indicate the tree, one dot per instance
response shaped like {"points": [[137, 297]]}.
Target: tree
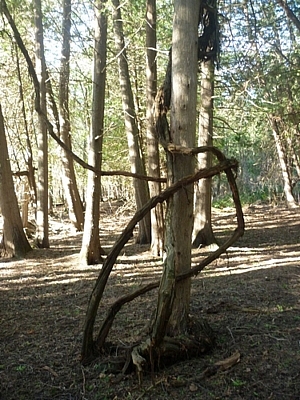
{"points": [[171, 318], [208, 49], [14, 241], [173, 302], [68, 173], [136, 160], [91, 250], [282, 156], [42, 233], [157, 218]]}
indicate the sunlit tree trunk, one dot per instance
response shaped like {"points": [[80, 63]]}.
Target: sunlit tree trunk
{"points": [[136, 160], [72, 196], [208, 51], [203, 233], [91, 250], [42, 233], [157, 222], [29, 153], [14, 241], [287, 186], [173, 301]]}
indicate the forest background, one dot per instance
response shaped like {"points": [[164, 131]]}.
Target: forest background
{"points": [[256, 84]]}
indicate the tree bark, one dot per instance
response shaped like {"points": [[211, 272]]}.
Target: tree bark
{"points": [[91, 250], [202, 231], [173, 300], [14, 241], [136, 160], [287, 186], [72, 196], [157, 217], [29, 153], [42, 232]]}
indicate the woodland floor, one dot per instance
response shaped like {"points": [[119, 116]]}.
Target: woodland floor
{"points": [[251, 298]]}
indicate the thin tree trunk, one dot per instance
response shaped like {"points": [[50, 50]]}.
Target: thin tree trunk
{"points": [[91, 250], [14, 242], [42, 234], [287, 187], [203, 233], [136, 160], [29, 154], [157, 219], [72, 196]]}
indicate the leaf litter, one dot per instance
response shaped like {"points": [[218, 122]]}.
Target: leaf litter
{"points": [[250, 297]]}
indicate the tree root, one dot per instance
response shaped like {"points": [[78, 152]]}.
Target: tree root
{"points": [[199, 339]]}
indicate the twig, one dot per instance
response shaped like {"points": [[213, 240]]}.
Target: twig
{"points": [[229, 330]]}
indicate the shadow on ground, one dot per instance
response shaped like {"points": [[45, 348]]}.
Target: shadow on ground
{"points": [[250, 296]]}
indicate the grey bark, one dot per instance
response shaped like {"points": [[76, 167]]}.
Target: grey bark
{"points": [[157, 217], [42, 233], [173, 300], [202, 231], [72, 196], [91, 250], [136, 160]]}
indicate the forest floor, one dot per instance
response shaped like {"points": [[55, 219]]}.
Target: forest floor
{"points": [[250, 297]]}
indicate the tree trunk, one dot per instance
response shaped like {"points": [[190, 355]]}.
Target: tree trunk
{"points": [[42, 233], [91, 250], [157, 219], [14, 242], [203, 233], [29, 155], [287, 186], [173, 300], [72, 196], [136, 161]]}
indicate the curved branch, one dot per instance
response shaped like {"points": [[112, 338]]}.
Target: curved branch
{"points": [[89, 347]]}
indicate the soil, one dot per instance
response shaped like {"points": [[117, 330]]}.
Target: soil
{"points": [[250, 297]]}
